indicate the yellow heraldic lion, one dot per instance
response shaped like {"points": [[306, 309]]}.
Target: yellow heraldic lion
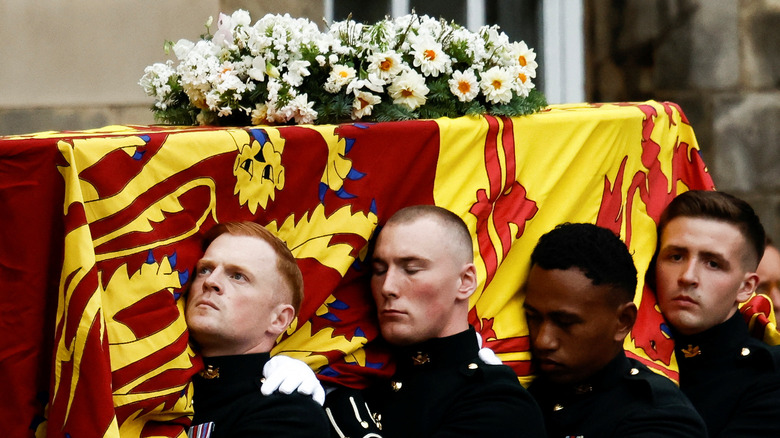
{"points": [[258, 168]]}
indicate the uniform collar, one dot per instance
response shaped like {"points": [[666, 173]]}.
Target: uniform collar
{"points": [[605, 378], [222, 369], [438, 352], [715, 342]]}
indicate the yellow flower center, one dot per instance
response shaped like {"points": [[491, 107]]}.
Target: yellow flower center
{"points": [[464, 87], [386, 64], [407, 93], [522, 61], [497, 84], [343, 73], [430, 55], [522, 77], [363, 102]]}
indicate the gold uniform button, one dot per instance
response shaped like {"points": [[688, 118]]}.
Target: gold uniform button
{"points": [[396, 385], [634, 371], [557, 407], [473, 366], [745, 352]]}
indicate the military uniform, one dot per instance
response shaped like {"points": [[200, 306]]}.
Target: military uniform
{"points": [[227, 394], [732, 379], [624, 399], [440, 388]]}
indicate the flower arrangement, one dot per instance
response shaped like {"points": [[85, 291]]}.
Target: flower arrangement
{"points": [[284, 70]]}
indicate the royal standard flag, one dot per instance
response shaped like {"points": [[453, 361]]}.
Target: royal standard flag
{"points": [[132, 204]]}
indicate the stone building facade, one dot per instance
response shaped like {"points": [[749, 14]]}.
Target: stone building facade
{"points": [[75, 65], [720, 60]]}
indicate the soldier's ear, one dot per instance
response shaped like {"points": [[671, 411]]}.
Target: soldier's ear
{"points": [[626, 317], [747, 287], [468, 281], [281, 318]]}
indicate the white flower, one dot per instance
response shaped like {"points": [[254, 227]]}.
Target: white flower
{"points": [[302, 110], [524, 57], [182, 48], [340, 75], [385, 65], [241, 18], [497, 85], [224, 34], [464, 85], [428, 55], [363, 104], [257, 72], [408, 90], [297, 70], [372, 82], [523, 84]]}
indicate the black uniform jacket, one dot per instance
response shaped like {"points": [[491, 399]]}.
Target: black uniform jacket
{"points": [[234, 404], [624, 399], [440, 389], [732, 379]]}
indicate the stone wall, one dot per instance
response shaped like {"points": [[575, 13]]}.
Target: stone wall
{"points": [[75, 65], [720, 60]]}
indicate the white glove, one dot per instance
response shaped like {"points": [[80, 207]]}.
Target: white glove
{"points": [[487, 355], [286, 375]]}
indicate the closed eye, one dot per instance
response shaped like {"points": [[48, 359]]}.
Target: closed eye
{"points": [[378, 269]]}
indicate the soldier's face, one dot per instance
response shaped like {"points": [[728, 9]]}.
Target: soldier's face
{"points": [[701, 274], [416, 283], [575, 329], [232, 300]]}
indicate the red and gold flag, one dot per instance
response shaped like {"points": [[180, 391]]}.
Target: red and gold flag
{"points": [[132, 203]]}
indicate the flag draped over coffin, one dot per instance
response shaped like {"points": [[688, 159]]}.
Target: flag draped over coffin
{"points": [[137, 201]]}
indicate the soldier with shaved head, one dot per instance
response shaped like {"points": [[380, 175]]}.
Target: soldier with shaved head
{"points": [[423, 274]]}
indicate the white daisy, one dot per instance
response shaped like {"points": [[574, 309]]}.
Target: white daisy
{"points": [[363, 104], [429, 56], [497, 85], [340, 75], [408, 90], [464, 85], [523, 84], [525, 57], [385, 65]]}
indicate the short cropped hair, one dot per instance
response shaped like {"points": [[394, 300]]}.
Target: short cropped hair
{"points": [[285, 261], [718, 206], [459, 231], [596, 251]]}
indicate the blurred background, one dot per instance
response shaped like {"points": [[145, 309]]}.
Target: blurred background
{"points": [[71, 65]]}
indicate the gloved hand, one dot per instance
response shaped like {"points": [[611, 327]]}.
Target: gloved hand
{"points": [[487, 355], [286, 375]]}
